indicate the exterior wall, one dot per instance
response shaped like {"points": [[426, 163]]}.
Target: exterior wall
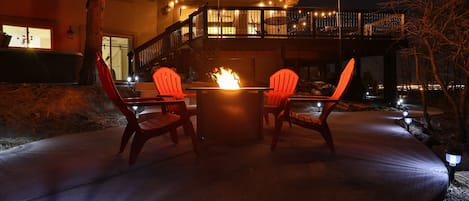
{"points": [[137, 19], [134, 18]]}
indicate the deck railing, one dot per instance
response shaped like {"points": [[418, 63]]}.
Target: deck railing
{"points": [[270, 23]]}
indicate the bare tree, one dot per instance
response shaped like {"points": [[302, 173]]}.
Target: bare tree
{"points": [[93, 40], [439, 30]]}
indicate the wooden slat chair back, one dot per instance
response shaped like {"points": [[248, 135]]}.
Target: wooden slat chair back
{"points": [[283, 83], [314, 121], [148, 125], [168, 83]]}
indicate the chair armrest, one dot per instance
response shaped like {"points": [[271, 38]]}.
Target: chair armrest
{"points": [[190, 95], [312, 98], [154, 102], [139, 99], [165, 96]]}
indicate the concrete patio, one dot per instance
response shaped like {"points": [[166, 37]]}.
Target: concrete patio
{"points": [[375, 160]]}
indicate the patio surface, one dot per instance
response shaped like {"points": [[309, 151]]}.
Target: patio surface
{"points": [[375, 160]]}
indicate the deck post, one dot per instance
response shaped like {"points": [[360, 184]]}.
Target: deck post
{"points": [[390, 77]]}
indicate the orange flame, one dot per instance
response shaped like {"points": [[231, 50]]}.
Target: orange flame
{"points": [[226, 78]]}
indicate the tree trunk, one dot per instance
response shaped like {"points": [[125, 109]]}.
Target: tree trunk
{"points": [[93, 41], [423, 92]]}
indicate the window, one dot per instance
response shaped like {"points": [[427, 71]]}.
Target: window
{"points": [[29, 37]]}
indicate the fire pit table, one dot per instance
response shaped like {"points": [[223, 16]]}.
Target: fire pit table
{"points": [[230, 116]]}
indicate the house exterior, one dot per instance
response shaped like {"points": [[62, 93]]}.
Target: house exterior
{"points": [[253, 37]]}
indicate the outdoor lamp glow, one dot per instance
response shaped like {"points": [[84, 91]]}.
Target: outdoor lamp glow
{"points": [[135, 107], [319, 104], [136, 78], [400, 101], [453, 159], [129, 79], [405, 113], [408, 120]]}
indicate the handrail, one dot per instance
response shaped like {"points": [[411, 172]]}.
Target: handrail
{"points": [[268, 22]]}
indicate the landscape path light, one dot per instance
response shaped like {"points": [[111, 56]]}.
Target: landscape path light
{"points": [[408, 121], [453, 157], [405, 113], [135, 108]]}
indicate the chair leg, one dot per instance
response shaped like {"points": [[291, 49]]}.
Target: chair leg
{"points": [[137, 145], [125, 138], [189, 130], [326, 134], [278, 130], [266, 118], [174, 135]]}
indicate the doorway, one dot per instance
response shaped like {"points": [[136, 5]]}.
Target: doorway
{"points": [[115, 50]]}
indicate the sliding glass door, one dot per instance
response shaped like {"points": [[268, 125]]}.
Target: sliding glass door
{"points": [[115, 50]]}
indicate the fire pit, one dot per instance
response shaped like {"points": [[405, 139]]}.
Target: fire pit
{"points": [[229, 113], [230, 116]]}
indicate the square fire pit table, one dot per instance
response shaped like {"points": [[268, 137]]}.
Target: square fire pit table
{"points": [[230, 116]]}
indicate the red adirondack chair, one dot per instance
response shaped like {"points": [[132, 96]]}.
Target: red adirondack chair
{"points": [[317, 122], [168, 84], [148, 125], [283, 84]]}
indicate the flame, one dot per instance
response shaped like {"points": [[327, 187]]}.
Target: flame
{"points": [[226, 78]]}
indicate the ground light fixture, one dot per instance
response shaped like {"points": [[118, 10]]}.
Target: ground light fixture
{"points": [[319, 105], [405, 113], [135, 108], [453, 158], [400, 102], [408, 121]]}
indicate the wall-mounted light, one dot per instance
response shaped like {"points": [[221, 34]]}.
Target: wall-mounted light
{"points": [[70, 32], [165, 10]]}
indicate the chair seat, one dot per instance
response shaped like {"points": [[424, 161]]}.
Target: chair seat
{"points": [[156, 121], [305, 118]]}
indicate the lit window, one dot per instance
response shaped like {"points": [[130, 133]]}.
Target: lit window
{"points": [[28, 37]]}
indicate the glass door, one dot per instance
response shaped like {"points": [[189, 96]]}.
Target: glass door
{"points": [[115, 50]]}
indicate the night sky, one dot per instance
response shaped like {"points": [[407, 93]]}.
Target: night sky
{"points": [[345, 4]]}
